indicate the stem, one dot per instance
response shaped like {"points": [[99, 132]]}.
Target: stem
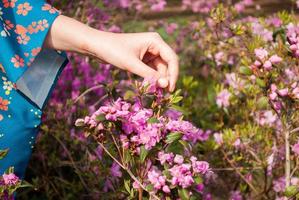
{"points": [[72, 161], [239, 173], [287, 161], [87, 91], [128, 171], [140, 190]]}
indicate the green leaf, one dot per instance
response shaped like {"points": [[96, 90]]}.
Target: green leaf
{"points": [[127, 157], [184, 194], [245, 70], [175, 147], [3, 153], [291, 191], [198, 180], [127, 184], [152, 120], [129, 94], [260, 82], [262, 103], [172, 137], [100, 118], [149, 187], [176, 99], [143, 153]]}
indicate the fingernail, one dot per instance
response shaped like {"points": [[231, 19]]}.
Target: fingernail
{"points": [[171, 88], [163, 82]]}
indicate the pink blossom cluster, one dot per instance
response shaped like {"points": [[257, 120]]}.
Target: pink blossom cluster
{"points": [[10, 179], [240, 6], [158, 180], [190, 132], [199, 6], [266, 118], [222, 98], [295, 148], [260, 30], [137, 130], [157, 5], [235, 82], [181, 173], [275, 93], [293, 39], [279, 184], [264, 61]]}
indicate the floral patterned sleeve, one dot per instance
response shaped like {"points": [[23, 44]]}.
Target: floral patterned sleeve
{"points": [[28, 74], [24, 25]]}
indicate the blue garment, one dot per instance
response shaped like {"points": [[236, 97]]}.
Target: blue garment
{"points": [[28, 74]]}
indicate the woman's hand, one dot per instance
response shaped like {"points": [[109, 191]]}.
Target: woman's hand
{"points": [[144, 54]]}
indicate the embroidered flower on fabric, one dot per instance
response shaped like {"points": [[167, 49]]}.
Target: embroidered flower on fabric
{"points": [[23, 39], [9, 3], [24, 8], [4, 104], [32, 28], [20, 30], [48, 7], [42, 24], [35, 51], [7, 85], [17, 61]]}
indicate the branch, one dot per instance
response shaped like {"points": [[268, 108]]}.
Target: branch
{"points": [[128, 171]]}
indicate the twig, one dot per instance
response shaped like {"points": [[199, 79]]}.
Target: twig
{"points": [[238, 172], [287, 155], [128, 171], [294, 130], [87, 91], [239, 168], [72, 161]]}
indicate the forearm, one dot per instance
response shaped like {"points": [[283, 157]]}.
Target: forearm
{"points": [[68, 34], [144, 54]]}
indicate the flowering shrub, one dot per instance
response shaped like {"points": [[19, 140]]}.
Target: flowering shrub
{"points": [[153, 145], [9, 182], [239, 84]]}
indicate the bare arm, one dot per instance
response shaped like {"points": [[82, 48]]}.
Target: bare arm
{"points": [[145, 54]]}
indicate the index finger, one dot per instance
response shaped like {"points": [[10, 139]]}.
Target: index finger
{"points": [[171, 58]]}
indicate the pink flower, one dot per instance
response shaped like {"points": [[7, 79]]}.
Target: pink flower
{"points": [[266, 118], [156, 178], [170, 28], [275, 59], [115, 170], [236, 195], [283, 92], [234, 81], [222, 98], [10, 179], [273, 96], [267, 65], [201, 167], [190, 132], [295, 148], [261, 53], [181, 175], [159, 5], [178, 159], [166, 189], [218, 138], [165, 157]]}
